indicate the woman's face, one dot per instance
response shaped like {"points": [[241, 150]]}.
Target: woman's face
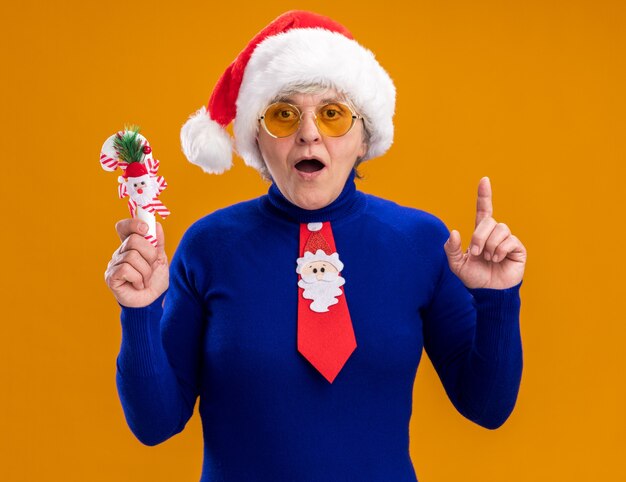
{"points": [[310, 169]]}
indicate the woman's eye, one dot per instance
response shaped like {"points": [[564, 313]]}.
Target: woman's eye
{"points": [[331, 112], [285, 114]]}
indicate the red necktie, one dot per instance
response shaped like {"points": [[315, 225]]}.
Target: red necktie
{"points": [[325, 334]]}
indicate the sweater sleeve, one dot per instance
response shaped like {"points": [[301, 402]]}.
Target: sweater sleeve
{"points": [[472, 337], [158, 364]]}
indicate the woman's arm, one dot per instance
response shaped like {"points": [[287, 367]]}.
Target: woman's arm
{"points": [[473, 339], [471, 328], [158, 365]]}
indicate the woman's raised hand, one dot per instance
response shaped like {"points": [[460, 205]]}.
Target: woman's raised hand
{"points": [[495, 258], [138, 272]]}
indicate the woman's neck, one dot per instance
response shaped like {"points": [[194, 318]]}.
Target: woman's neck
{"points": [[348, 201]]}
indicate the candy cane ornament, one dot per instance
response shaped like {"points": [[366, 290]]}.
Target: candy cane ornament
{"points": [[131, 152]]}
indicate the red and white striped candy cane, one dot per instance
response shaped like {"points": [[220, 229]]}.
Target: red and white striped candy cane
{"points": [[110, 161]]}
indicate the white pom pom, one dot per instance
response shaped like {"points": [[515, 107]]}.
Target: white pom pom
{"points": [[206, 143]]}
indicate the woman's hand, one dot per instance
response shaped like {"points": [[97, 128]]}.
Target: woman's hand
{"points": [[138, 272], [495, 258]]}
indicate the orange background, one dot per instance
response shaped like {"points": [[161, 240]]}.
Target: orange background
{"points": [[529, 93]]}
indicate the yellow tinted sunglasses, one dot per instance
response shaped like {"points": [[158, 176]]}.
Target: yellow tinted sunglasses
{"points": [[333, 119]]}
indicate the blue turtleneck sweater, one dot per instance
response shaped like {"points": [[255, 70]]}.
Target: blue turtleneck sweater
{"points": [[227, 333]]}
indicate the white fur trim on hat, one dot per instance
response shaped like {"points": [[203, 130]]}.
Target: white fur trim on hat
{"points": [[314, 55], [206, 143]]}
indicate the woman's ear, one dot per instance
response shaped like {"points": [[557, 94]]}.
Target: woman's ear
{"points": [[265, 173], [363, 150], [364, 141]]}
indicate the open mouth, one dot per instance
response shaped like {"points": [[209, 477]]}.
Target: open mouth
{"points": [[309, 165]]}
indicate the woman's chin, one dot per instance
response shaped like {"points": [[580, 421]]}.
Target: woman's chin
{"points": [[312, 201]]}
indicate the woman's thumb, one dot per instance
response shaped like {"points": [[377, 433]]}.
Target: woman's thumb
{"points": [[162, 256], [452, 248]]}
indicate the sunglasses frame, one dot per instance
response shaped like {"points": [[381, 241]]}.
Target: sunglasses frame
{"points": [[355, 117]]}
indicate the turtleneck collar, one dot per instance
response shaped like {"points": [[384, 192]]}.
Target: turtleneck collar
{"points": [[348, 202]]}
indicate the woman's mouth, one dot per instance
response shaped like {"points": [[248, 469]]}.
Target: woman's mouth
{"points": [[309, 165]]}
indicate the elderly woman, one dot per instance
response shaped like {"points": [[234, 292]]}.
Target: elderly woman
{"points": [[299, 317]]}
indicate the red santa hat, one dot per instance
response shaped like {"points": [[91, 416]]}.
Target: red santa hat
{"points": [[296, 48], [317, 248], [135, 169]]}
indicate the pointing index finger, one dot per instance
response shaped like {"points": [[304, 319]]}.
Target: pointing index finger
{"points": [[484, 206]]}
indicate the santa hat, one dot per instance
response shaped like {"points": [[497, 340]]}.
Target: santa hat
{"points": [[135, 169], [296, 48], [317, 248]]}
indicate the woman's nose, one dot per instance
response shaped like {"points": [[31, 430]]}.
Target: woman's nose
{"points": [[308, 131]]}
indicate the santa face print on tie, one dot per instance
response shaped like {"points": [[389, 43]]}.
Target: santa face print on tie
{"points": [[320, 279], [325, 333]]}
